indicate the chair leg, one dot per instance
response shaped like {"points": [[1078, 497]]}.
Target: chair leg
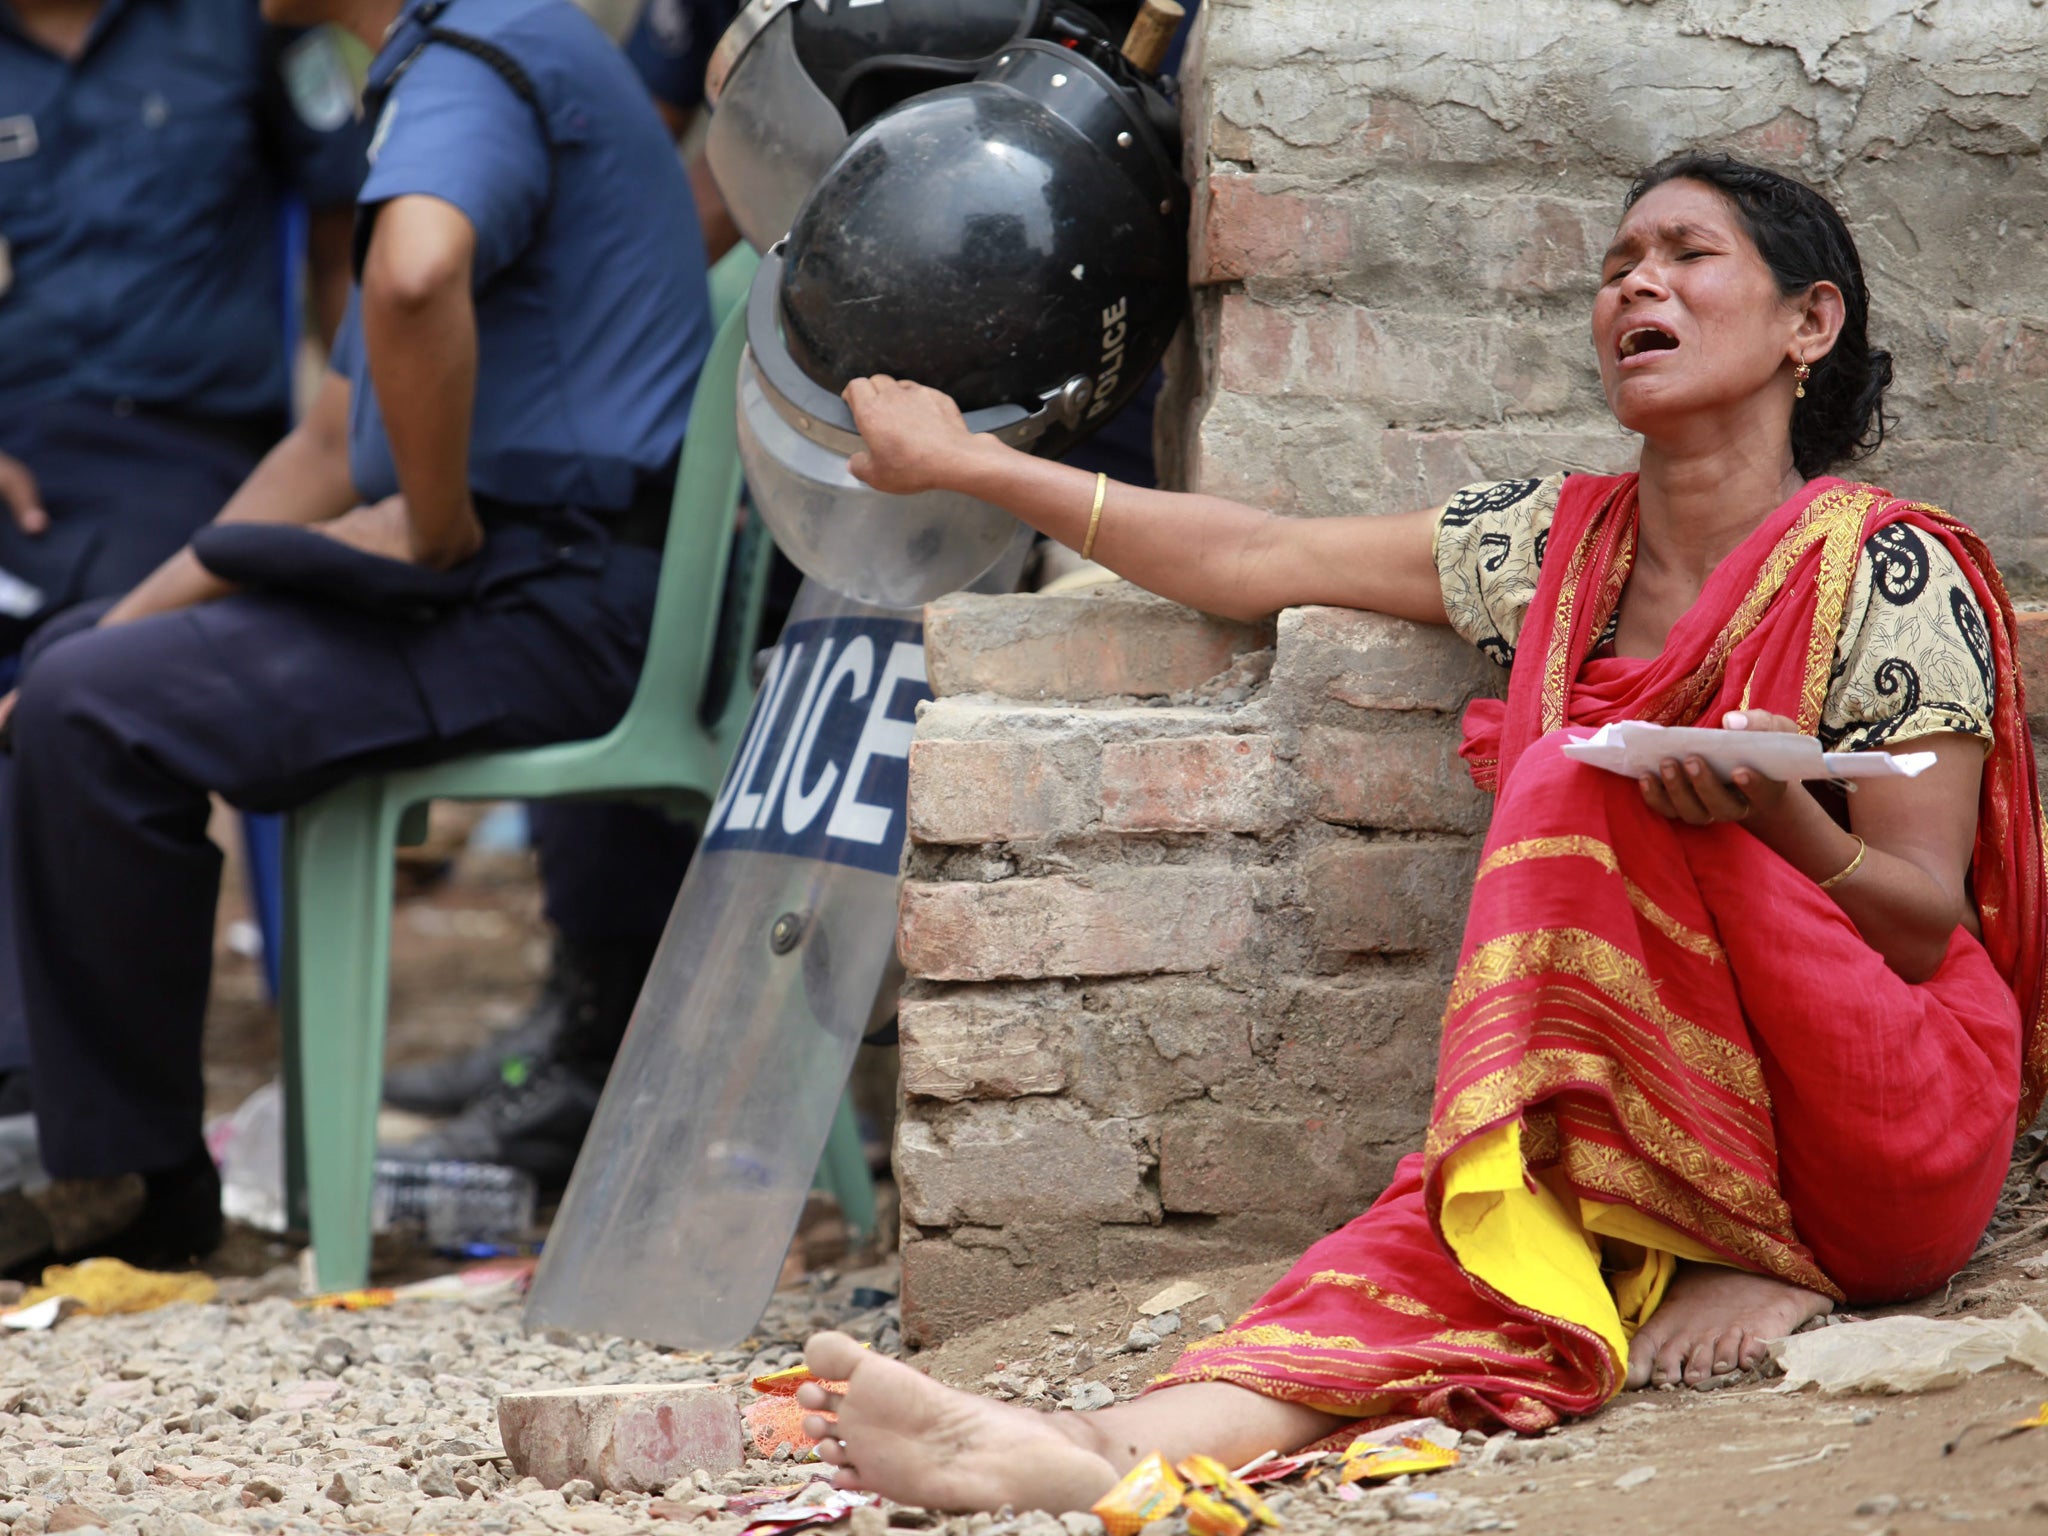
{"points": [[338, 960], [843, 1173]]}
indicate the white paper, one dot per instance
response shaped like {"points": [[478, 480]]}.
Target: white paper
{"points": [[1636, 747]]}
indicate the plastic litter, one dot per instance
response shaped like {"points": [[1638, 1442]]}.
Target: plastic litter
{"points": [[1149, 1491], [453, 1203], [1367, 1462], [105, 1288], [477, 1283], [807, 1508], [776, 1418], [1218, 1502], [1910, 1354], [1275, 1468], [248, 1144]]}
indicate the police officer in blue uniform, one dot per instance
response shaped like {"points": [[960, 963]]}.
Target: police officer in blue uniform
{"points": [[609, 872], [670, 46], [147, 149], [456, 550]]}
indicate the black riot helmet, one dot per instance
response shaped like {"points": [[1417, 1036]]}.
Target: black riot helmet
{"points": [[1018, 242], [792, 80]]}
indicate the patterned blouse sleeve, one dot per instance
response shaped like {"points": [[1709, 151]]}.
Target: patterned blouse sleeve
{"points": [[1490, 540], [1914, 656]]}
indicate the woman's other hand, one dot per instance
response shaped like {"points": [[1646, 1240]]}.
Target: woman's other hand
{"points": [[1688, 790], [916, 437]]}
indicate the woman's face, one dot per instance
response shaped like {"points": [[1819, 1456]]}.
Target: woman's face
{"points": [[1689, 319]]}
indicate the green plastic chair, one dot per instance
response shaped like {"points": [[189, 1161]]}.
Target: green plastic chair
{"points": [[338, 849]]}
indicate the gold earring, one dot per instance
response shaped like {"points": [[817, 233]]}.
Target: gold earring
{"points": [[1800, 374]]}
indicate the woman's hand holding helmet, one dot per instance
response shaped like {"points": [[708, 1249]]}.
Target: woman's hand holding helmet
{"points": [[916, 438]]}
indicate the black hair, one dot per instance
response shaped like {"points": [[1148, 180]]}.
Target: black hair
{"points": [[1804, 241]]}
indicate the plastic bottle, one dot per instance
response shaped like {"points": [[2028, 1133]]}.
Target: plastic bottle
{"points": [[453, 1204]]}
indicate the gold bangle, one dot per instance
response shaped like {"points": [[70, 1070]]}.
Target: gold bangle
{"points": [[1095, 517], [1854, 864]]}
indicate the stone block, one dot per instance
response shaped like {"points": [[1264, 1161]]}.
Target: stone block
{"points": [[958, 1048], [999, 791], [1218, 1162], [1400, 780], [1114, 921], [1390, 898], [1103, 644], [1247, 230], [636, 1439], [1369, 661], [1141, 1045], [1467, 369], [2031, 643], [1191, 784], [993, 1164], [959, 1280]]}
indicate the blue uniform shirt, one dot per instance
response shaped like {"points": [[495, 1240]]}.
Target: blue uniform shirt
{"points": [[593, 316], [140, 189], [670, 45]]}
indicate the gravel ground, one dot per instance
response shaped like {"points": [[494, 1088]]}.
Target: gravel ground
{"points": [[252, 1414], [259, 1415]]}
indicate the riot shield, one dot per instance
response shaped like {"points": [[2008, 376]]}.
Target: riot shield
{"points": [[693, 1177]]}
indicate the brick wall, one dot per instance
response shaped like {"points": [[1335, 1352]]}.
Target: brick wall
{"points": [[1183, 895]]}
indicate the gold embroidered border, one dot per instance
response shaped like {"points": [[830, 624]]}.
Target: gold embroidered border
{"points": [[1373, 1291], [1557, 661], [1601, 965], [1627, 1180], [1748, 1120], [1544, 1073], [1689, 939], [1844, 507]]}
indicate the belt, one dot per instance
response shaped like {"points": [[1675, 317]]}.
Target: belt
{"points": [[641, 524]]}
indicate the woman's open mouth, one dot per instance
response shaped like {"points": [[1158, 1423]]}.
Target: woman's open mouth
{"points": [[1639, 341]]}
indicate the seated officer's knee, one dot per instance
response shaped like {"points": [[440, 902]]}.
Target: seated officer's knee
{"points": [[87, 681]]}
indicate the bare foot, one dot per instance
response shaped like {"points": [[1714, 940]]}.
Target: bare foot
{"points": [[1714, 1320], [906, 1437]]}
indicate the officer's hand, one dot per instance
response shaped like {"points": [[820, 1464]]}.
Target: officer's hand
{"points": [[379, 529], [914, 435], [24, 500]]}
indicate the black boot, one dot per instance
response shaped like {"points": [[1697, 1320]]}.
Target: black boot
{"points": [[165, 1220], [450, 1085], [536, 1115]]}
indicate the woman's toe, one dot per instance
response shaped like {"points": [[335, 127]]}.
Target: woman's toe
{"points": [[820, 1430], [832, 1356], [1670, 1363], [812, 1395]]}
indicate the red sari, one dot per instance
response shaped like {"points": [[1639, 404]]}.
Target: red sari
{"points": [[1675, 1044]]}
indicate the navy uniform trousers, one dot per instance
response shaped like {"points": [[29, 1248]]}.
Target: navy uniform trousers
{"points": [[125, 492], [269, 700]]}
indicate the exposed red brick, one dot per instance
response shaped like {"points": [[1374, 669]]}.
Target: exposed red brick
{"points": [[1190, 784], [1247, 230], [1078, 647], [1022, 1163], [994, 791], [1114, 922], [1403, 781]]}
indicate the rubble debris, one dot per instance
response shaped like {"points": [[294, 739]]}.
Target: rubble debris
{"points": [[1174, 1298], [633, 1439]]}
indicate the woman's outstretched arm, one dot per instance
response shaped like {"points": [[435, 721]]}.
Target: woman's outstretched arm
{"points": [[1216, 555]]}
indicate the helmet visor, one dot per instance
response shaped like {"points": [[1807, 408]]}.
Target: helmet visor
{"points": [[772, 131], [892, 551]]}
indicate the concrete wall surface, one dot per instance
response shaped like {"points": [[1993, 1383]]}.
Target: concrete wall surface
{"points": [[1184, 896]]}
